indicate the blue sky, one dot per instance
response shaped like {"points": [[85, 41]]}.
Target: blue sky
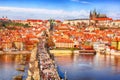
{"points": [[57, 9]]}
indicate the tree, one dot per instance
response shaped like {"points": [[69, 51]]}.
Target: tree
{"points": [[50, 42], [11, 25]]}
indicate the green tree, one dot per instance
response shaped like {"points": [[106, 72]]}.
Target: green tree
{"points": [[50, 42]]}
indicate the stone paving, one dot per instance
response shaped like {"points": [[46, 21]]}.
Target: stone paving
{"points": [[48, 69]]}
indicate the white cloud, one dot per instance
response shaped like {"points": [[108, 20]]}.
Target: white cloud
{"points": [[37, 13], [84, 2], [81, 1], [75, 0], [112, 13], [24, 13]]}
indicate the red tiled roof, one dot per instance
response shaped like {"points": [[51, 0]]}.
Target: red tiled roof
{"points": [[29, 42], [3, 19], [33, 20], [17, 20], [63, 28], [64, 40], [45, 21], [43, 28], [102, 19], [30, 36], [58, 21], [116, 20], [64, 24]]}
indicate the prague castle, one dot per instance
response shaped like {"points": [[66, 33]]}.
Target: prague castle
{"points": [[97, 17]]}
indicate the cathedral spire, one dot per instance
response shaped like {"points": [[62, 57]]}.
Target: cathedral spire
{"points": [[90, 14], [94, 12]]}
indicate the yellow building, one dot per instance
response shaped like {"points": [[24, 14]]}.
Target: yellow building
{"points": [[64, 43]]}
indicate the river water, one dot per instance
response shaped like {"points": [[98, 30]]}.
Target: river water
{"points": [[77, 67], [9, 64], [89, 67]]}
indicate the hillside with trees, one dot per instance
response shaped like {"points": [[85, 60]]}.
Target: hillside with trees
{"points": [[11, 25]]}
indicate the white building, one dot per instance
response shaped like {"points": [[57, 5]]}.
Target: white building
{"points": [[75, 21]]}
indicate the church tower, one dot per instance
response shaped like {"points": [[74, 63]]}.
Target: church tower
{"points": [[93, 14]]}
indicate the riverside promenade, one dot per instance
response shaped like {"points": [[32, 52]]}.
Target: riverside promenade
{"points": [[14, 52], [48, 69]]}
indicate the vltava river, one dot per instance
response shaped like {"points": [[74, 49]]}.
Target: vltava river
{"points": [[89, 67], [9, 64]]}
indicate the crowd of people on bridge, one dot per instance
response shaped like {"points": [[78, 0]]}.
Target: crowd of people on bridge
{"points": [[48, 69]]}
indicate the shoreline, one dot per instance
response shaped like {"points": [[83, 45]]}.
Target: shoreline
{"points": [[15, 52], [61, 51]]}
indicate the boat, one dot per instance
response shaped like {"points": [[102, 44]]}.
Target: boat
{"points": [[87, 51]]}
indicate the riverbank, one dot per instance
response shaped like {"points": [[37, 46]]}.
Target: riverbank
{"points": [[61, 51], [15, 52]]}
